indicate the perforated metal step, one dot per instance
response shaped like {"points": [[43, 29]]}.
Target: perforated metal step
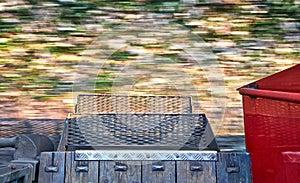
{"points": [[139, 131], [104, 104]]}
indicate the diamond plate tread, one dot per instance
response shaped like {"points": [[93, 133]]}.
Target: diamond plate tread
{"points": [[92, 155], [103, 104]]}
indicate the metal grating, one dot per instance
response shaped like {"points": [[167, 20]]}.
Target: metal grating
{"points": [[10, 127], [105, 104], [127, 131]]}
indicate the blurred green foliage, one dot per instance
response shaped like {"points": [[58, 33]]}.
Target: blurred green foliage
{"points": [[31, 35]]}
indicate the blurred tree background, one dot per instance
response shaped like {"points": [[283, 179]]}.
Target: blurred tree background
{"points": [[42, 43]]}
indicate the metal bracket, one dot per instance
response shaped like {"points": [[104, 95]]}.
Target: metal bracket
{"points": [[158, 168], [120, 168], [82, 169], [235, 169], [51, 169], [196, 168]]}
